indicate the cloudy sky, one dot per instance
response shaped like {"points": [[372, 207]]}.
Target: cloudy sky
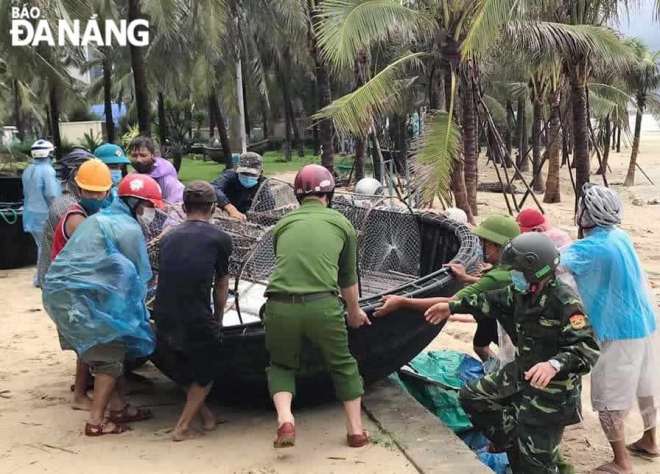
{"points": [[640, 23]]}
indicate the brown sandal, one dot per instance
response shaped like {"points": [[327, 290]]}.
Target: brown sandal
{"points": [[357, 440], [123, 416], [99, 430]]}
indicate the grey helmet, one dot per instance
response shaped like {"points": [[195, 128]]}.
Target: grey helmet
{"points": [[533, 254], [599, 206], [368, 187]]}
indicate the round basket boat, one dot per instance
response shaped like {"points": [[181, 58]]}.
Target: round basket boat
{"points": [[401, 251]]}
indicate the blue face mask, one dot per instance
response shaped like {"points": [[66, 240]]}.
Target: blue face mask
{"points": [[92, 206], [116, 177], [248, 181], [519, 281]]}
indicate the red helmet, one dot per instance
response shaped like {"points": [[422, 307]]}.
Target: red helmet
{"points": [[141, 186], [312, 179]]}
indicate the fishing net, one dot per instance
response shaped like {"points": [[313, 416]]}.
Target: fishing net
{"points": [[389, 243]]}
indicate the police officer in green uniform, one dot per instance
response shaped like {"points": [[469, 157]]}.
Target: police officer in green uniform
{"points": [[316, 259], [525, 406]]}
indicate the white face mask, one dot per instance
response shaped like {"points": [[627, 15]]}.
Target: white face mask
{"points": [[147, 217]]}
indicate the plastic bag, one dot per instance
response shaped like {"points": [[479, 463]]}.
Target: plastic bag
{"points": [[95, 289], [612, 284]]}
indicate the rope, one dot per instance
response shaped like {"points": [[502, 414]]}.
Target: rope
{"points": [[13, 215]]}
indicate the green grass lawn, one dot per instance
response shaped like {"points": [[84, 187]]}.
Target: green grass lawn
{"points": [[273, 164]]}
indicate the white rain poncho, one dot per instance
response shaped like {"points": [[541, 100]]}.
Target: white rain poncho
{"points": [[612, 284], [95, 289]]}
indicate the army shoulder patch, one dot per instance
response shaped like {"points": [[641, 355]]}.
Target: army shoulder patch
{"points": [[578, 321]]}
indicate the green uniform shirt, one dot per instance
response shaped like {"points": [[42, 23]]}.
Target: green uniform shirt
{"points": [[315, 250], [548, 325], [498, 277]]}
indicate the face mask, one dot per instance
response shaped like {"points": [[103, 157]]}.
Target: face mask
{"points": [[92, 206], [147, 217], [142, 167], [116, 177], [519, 281], [248, 181]]}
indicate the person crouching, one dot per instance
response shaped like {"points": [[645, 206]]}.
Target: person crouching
{"points": [[194, 257]]}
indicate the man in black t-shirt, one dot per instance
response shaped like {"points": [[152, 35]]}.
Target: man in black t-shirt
{"points": [[194, 258]]}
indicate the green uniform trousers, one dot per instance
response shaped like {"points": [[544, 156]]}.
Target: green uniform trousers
{"points": [[493, 404], [322, 323]]}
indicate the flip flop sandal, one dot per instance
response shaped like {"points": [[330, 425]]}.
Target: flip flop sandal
{"points": [[642, 453], [99, 430], [123, 415], [607, 469]]}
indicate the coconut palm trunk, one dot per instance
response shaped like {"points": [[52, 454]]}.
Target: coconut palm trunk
{"points": [[360, 151], [55, 117], [537, 126], [162, 119], [607, 143], [222, 128], [18, 119], [469, 132], [361, 75], [552, 188], [139, 75], [580, 130], [107, 99], [522, 162], [630, 175], [326, 129], [510, 128]]}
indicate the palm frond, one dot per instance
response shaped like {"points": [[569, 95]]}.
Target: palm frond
{"points": [[347, 26], [488, 19], [433, 156], [574, 43], [353, 113]]}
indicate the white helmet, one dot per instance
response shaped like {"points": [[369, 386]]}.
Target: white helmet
{"points": [[456, 214], [368, 187], [42, 149], [599, 206]]}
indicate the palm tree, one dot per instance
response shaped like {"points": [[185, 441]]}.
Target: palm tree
{"points": [[139, 75], [644, 79]]}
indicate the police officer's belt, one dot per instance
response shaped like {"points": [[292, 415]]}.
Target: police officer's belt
{"points": [[305, 298]]}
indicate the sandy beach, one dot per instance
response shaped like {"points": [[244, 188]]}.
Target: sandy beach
{"points": [[40, 433]]}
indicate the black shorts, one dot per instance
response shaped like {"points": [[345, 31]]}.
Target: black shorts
{"points": [[486, 333], [200, 355]]}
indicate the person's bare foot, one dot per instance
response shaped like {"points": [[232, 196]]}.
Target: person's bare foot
{"points": [[81, 402], [612, 468], [209, 421], [185, 434]]}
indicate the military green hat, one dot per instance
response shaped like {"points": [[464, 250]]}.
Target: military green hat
{"points": [[533, 254], [111, 154], [251, 163], [498, 229]]}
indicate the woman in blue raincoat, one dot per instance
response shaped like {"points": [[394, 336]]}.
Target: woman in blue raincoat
{"points": [[94, 292]]}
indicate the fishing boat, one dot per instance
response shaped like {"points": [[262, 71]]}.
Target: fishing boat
{"points": [[402, 251]]}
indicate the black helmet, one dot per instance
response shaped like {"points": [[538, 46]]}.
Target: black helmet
{"points": [[533, 254]]}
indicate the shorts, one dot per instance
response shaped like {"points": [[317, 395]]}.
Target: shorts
{"points": [[486, 333], [626, 370], [106, 359], [200, 355]]}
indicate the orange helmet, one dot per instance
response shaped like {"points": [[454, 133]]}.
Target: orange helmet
{"points": [[94, 175], [141, 186]]}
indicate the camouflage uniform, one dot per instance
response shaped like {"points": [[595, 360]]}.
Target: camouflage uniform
{"points": [[527, 421]]}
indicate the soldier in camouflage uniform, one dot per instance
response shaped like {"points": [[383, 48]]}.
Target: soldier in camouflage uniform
{"points": [[525, 406]]}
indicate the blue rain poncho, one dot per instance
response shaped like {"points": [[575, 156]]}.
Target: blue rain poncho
{"points": [[40, 187], [612, 284], [95, 289]]}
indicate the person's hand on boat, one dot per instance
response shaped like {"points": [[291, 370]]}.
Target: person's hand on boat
{"points": [[390, 303], [358, 318], [437, 313], [460, 273]]}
